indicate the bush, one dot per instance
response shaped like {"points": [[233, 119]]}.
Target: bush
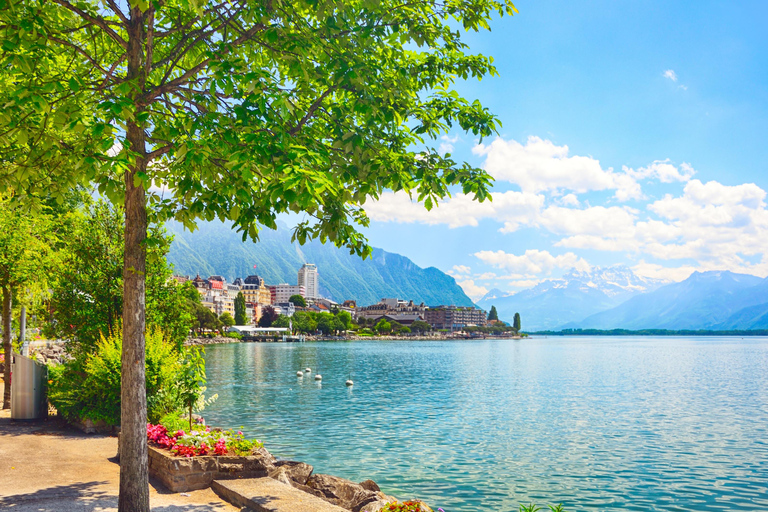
{"points": [[88, 386]]}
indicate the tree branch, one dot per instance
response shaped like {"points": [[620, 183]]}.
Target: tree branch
{"points": [[94, 20], [311, 110]]}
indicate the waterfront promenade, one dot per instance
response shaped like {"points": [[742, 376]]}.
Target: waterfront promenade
{"points": [[49, 467]]}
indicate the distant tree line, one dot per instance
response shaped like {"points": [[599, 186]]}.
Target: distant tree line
{"points": [[651, 332]]}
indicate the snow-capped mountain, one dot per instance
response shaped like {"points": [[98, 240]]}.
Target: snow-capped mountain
{"points": [[577, 295], [706, 300]]}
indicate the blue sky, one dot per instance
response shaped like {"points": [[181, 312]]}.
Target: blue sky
{"points": [[633, 133]]}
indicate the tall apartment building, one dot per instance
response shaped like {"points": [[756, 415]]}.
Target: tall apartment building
{"points": [[309, 280], [282, 292]]}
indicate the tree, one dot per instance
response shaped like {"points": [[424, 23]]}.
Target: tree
{"points": [[239, 110], [383, 326], [268, 315], [281, 321], [493, 315], [346, 319], [325, 322], [205, 319], [240, 316], [420, 326], [87, 291], [24, 254], [298, 301], [516, 323], [226, 319]]}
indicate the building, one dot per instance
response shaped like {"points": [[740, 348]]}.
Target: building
{"points": [[308, 278], [285, 308], [408, 311], [282, 292], [180, 279], [256, 291], [454, 317]]}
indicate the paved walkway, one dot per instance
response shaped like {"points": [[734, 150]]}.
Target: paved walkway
{"points": [[47, 466]]}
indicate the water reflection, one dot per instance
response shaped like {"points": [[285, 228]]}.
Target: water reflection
{"points": [[620, 423]]}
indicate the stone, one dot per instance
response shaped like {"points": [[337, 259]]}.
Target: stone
{"points": [[375, 506], [269, 495], [370, 485], [291, 472], [341, 492]]}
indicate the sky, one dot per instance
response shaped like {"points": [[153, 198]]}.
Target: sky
{"points": [[633, 133]]}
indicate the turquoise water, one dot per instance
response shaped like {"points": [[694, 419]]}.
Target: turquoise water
{"points": [[651, 424]]}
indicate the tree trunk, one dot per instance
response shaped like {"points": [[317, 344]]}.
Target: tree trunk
{"points": [[7, 346], [134, 472]]}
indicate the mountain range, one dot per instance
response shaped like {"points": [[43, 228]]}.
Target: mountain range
{"points": [[616, 298], [577, 295], [215, 249], [717, 300]]}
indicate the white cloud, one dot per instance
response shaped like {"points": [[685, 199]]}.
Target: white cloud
{"points": [[670, 73], [569, 200], [663, 171], [533, 261], [656, 271], [701, 226], [540, 166], [513, 209], [446, 146], [525, 283], [475, 292]]}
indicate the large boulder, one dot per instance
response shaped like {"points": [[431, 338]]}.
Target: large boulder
{"points": [[370, 485], [291, 473], [341, 492]]}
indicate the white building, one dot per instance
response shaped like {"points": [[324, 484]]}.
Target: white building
{"points": [[282, 292], [309, 280]]}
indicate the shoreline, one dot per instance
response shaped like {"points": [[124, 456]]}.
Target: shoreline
{"points": [[222, 340]]}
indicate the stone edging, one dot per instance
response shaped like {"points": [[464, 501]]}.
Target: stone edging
{"points": [[181, 474]]}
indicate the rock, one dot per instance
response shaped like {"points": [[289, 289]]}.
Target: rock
{"points": [[291, 472], [266, 459], [370, 485], [375, 506], [341, 492]]}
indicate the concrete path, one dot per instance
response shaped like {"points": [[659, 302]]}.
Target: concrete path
{"points": [[268, 495], [47, 466]]}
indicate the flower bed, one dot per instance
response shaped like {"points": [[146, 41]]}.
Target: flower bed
{"points": [[201, 442], [189, 461]]}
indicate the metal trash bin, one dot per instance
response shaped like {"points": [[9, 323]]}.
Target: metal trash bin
{"points": [[29, 389]]}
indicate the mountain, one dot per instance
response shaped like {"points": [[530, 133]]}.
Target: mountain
{"points": [[214, 249], [578, 294], [706, 300]]}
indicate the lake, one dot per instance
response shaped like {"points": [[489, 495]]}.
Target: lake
{"points": [[603, 423]]}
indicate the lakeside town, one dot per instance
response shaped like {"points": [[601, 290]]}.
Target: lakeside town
{"points": [[272, 308]]}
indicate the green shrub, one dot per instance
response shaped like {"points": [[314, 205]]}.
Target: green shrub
{"points": [[88, 386], [233, 334], [243, 447], [175, 421]]}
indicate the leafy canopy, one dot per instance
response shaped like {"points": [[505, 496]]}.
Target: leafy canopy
{"points": [[249, 109]]}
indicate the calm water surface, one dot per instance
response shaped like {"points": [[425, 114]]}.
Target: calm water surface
{"points": [[651, 424]]}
